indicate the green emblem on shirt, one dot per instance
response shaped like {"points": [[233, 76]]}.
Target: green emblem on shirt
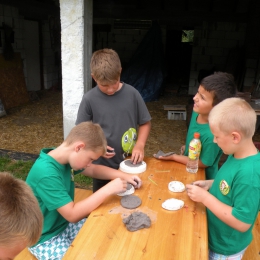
{"points": [[128, 141], [224, 187]]}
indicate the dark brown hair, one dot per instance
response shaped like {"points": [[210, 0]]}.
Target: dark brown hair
{"points": [[221, 85]]}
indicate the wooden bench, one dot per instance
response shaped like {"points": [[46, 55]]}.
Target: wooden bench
{"points": [[80, 194], [176, 112]]}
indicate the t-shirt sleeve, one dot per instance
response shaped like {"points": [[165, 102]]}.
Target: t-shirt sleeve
{"points": [[246, 195], [53, 193], [209, 152], [144, 115]]}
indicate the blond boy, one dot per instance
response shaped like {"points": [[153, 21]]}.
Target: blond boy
{"points": [[52, 180], [233, 197]]}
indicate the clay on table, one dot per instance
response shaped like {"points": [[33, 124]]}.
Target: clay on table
{"points": [[136, 221], [130, 202]]}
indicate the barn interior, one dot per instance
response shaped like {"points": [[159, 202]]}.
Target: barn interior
{"points": [[164, 46]]}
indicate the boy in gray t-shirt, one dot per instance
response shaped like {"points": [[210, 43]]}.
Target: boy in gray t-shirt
{"points": [[119, 109]]}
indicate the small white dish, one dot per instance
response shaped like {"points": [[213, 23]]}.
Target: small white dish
{"points": [[176, 186], [173, 204]]}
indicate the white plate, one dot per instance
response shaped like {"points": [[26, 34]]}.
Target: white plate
{"points": [[173, 204], [133, 169], [176, 186]]}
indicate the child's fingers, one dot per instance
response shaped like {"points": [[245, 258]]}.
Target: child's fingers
{"points": [[138, 182]]}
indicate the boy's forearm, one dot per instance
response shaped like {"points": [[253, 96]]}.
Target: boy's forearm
{"points": [[143, 134], [74, 212], [184, 159], [179, 158], [224, 213]]}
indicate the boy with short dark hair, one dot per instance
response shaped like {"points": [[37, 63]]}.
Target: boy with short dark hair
{"points": [[20, 216], [119, 109], [212, 90], [52, 181], [233, 197]]}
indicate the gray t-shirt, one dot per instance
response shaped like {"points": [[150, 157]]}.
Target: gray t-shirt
{"points": [[119, 115]]}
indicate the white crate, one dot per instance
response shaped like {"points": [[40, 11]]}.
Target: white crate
{"points": [[176, 115]]}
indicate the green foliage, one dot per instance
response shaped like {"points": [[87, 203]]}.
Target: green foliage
{"points": [[20, 169], [83, 180]]}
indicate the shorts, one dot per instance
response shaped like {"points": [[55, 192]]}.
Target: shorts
{"points": [[237, 256], [56, 247]]}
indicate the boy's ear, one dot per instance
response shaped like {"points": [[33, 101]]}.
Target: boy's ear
{"points": [[79, 146], [93, 77], [236, 137]]}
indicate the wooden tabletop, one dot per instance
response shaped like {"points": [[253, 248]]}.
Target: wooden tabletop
{"points": [[180, 234]]}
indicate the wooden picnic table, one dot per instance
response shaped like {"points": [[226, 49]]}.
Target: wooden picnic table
{"points": [[180, 234]]}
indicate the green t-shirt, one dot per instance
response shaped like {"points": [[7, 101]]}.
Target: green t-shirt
{"points": [[237, 184], [53, 187], [210, 151]]}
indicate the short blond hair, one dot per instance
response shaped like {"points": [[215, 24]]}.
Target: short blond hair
{"points": [[105, 66], [90, 134], [20, 215], [234, 114]]}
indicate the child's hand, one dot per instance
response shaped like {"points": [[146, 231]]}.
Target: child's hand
{"points": [[117, 185], [196, 193], [137, 154], [135, 181], [110, 153], [203, 184]]}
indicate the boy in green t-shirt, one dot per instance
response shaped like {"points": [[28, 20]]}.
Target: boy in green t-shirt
{"points": [[52, 181], [212, 90], [233, 197]]}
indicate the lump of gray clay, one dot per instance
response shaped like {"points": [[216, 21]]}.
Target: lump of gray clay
{"points": [[130, 164], [130, 202], [136, 221]]}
